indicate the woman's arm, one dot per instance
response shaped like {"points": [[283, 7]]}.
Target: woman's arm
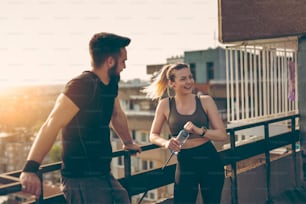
{"points": [[217, 131], [160, 117]]}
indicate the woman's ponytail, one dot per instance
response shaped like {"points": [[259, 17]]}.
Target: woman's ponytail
{"points": [[159, 85]]}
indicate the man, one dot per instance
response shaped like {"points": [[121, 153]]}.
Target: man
{"points": [[84, 111]]}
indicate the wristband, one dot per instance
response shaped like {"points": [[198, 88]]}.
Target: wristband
{"points": [[204, 131], [31, 166]]}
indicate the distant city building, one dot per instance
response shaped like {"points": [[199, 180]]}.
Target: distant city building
{"points": [[175, 59], [13, 150], [207, 65]]}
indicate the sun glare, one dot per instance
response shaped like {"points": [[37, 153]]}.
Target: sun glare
{"points": [[4, 86], [7, 85]]}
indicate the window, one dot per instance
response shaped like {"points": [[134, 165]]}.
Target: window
{"points": [[151, 195], [193, 70], [134, 134], [210, 70], [120, 161], [146, 164], [145, 105], [142, 137], [151, 164], [113, 134], [131, 105], [124, 104]]}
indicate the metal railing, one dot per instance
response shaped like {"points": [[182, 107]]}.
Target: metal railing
{"points": [[156, 178], [261, 80]]}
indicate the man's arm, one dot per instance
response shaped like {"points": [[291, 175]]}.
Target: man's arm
{"points": [[120, 126], [63, 111]]}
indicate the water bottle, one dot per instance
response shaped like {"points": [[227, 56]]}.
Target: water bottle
{"points": [[181, 137]]}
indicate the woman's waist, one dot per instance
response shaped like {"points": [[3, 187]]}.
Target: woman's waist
{"points": [[194, 142]]}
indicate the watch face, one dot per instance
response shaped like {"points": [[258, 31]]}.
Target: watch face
{"points": [[204, 131]]}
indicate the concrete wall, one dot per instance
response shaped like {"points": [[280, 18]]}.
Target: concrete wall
{"points": [[252, 183], [302, 86], [241, 20]]}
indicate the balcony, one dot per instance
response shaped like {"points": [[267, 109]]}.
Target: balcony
{"points": [[257, 185]]}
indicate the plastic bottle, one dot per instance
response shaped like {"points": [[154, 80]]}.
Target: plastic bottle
{"points": [[182, 138]]}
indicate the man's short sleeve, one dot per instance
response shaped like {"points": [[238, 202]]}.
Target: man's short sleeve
{"points": [[80, 91]]}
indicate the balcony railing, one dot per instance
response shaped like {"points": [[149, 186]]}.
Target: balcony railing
{"points": [[157, 177]]}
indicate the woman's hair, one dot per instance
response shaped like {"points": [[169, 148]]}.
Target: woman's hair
{"points": [[160, 83]]}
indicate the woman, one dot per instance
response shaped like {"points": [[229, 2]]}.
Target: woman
{"points": [[198, 161]]}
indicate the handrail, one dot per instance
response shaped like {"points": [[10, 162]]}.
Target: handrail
{"points": [[232, 156]]}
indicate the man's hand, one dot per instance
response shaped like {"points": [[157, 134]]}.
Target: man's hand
{"points": [[132, 147], [30, 183]]}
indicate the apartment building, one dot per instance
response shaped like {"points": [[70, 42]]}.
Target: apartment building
{"points": [[13, 150]]}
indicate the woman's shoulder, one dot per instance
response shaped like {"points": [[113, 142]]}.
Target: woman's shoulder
{"points": [[163, 105], [164, 101], [162, 108], [204, 98]]}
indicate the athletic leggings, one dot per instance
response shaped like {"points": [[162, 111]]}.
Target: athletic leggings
{"points": [[199, 167]]}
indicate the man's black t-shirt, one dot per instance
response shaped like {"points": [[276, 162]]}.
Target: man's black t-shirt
{"points": [[86, 141]]}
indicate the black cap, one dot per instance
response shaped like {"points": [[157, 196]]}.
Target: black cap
{"points": [[108, 40]]}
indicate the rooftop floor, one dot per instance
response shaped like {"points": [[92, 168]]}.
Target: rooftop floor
{"points": [[292, 196]]}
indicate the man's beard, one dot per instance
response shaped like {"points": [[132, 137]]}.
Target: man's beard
{"points": [[112, 72]]}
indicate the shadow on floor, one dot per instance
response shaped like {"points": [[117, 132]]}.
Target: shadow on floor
{"points": [[292, 196]]}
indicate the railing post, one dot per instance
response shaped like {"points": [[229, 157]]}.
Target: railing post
{"points": [[268, 162], [293, 144], [234, 184], [127, 166], [40, 200]]}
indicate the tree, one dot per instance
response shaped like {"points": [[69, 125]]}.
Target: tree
{"points": [[56, 153]]}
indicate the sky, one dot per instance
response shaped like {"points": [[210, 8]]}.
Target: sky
{"points": [[46, 41]]}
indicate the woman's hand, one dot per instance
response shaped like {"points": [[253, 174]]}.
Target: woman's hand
{"points": [[193, 129], [173, 144]]}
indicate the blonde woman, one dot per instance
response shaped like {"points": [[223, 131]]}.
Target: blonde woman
{"points": [[199, 164]]}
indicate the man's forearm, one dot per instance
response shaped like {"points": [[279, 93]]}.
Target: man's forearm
{"points": [[120, 125], [43, 142]]}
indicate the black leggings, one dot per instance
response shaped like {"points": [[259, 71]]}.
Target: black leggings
{"points": [[199, 166]]}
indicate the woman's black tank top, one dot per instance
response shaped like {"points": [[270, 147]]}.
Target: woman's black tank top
{"points": [[176, 121]]}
